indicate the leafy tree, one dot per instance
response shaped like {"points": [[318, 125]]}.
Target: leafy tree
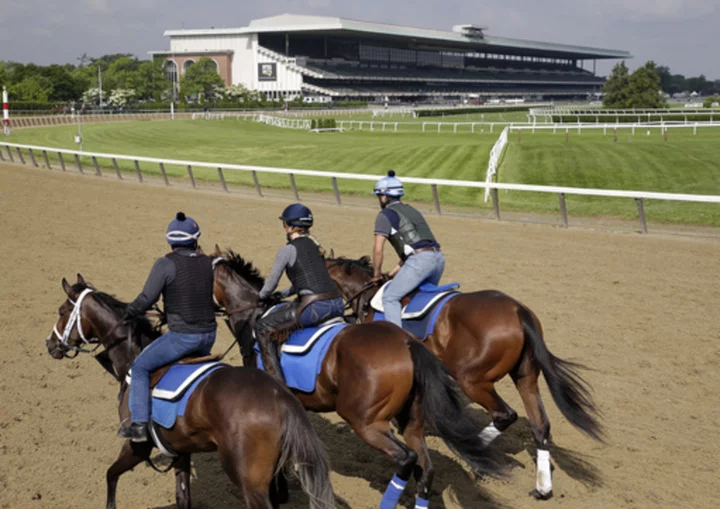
{"points": [[3, 75], [91, 96], [710, 101], [32, 88], [200, 79], [644, 88], [121, 97], [616, 87]]}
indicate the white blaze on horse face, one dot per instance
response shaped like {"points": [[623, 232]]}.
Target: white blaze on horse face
{"points": [[490, 433], [544, 477]]}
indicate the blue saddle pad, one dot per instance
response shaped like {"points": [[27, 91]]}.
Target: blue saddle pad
{"points": [[431, 288], [172, 393], [427, 294], [303, 353], [423, 326]]}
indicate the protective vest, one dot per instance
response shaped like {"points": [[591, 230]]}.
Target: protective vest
{"points": [[412, 229], [190, 295], [309, 272]]}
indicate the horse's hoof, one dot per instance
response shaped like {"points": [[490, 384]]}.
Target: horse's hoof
{"points": [[539, 496]]}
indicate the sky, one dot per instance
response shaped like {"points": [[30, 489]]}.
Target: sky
{"points": [[682, 34]]}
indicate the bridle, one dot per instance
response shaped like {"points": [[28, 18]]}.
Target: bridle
{"points": [[75, 321]]}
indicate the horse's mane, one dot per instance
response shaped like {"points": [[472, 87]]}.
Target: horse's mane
{"points": [[244, 269], [143, 325], [349, 264]]}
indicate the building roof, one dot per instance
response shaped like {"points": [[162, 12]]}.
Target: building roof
{"points": [[476, 39]]}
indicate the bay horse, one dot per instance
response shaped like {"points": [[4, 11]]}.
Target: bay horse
{"points": [[372, 374], [256, 424], [480, 337]]}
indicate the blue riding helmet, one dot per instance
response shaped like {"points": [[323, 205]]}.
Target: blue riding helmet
{"points": [[297, 214], [390, 186], [182, 231]]}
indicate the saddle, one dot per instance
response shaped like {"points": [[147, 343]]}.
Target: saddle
{"points": [[419, 301], [156, 375]]}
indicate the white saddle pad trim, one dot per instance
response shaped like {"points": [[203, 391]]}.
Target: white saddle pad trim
{"points": [[170, 395], [298, 349], [377, 305]]}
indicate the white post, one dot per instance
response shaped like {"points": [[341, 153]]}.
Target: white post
{"points": [[6, 112], [100, 85], [172, 110]]}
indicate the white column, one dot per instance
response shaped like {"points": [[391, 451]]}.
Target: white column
{"points": [[6, 112]]}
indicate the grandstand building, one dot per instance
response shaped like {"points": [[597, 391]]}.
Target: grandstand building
{"points": [[292, 55]]}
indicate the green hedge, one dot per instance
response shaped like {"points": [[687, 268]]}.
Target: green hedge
{"points": [[323, 123], [463, 111]]}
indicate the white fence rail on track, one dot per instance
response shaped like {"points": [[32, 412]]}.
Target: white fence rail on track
{"points": [[494, 160], [494, 187], [426, 127], [286, 123], [648, 126]]}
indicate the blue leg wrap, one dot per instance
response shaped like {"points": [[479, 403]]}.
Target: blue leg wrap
{"points": [[421, 503], [392, 493]]}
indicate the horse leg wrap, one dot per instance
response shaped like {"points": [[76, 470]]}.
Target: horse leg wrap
{"points": [[421, 503], [393, 493], [489, 434], [543, 484]]}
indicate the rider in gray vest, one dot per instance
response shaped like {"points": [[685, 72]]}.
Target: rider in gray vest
{"points": [[420, 257], [184, 278], [318, 297]]}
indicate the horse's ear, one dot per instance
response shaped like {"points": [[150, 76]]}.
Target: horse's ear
{"points": [[217, 250], [332, 253], [81, 280], [66, 286], [200, 249]]}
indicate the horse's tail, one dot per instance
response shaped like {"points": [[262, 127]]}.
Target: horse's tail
{"points": [[302, 449], [569, 390], [444, 408]]}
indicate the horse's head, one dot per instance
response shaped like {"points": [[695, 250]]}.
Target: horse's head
{"points": [[73, 327], [237, 286], [349, 275], [91, 317]]}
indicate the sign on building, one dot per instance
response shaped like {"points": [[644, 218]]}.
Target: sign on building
{"points": [[267, 72]]}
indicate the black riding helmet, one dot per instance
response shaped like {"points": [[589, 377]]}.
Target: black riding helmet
{"points": [[297, 214]]}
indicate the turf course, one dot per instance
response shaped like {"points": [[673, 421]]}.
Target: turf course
{"points": [[454, 156], [685, 163]]}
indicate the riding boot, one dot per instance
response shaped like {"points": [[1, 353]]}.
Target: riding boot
{"points": [[250, 360], [274, 355]]}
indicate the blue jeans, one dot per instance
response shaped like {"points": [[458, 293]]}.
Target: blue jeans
{"points": [[167, 348], [321, 310], [426, 266]]}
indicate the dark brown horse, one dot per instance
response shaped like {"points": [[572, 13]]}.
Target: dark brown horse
{"points": [[371, 375], [256, 425], [481, 337]]}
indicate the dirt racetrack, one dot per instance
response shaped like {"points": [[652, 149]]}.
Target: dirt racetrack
{"points": [[640, 310]]}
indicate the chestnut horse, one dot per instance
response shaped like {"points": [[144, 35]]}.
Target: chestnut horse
{"points": [[257, 426], [481, 337], [372, 374]]}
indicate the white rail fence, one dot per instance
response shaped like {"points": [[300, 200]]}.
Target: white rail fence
{"points": [[426, 127], [494, 161], [648, 127], [494, 187], [286, 123]]}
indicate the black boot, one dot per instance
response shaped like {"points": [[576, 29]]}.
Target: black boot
{"points": [[137, 432], [250, 360], [274, 355]]}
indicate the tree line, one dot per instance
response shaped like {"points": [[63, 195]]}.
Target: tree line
{"points": [[644, 89]]}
